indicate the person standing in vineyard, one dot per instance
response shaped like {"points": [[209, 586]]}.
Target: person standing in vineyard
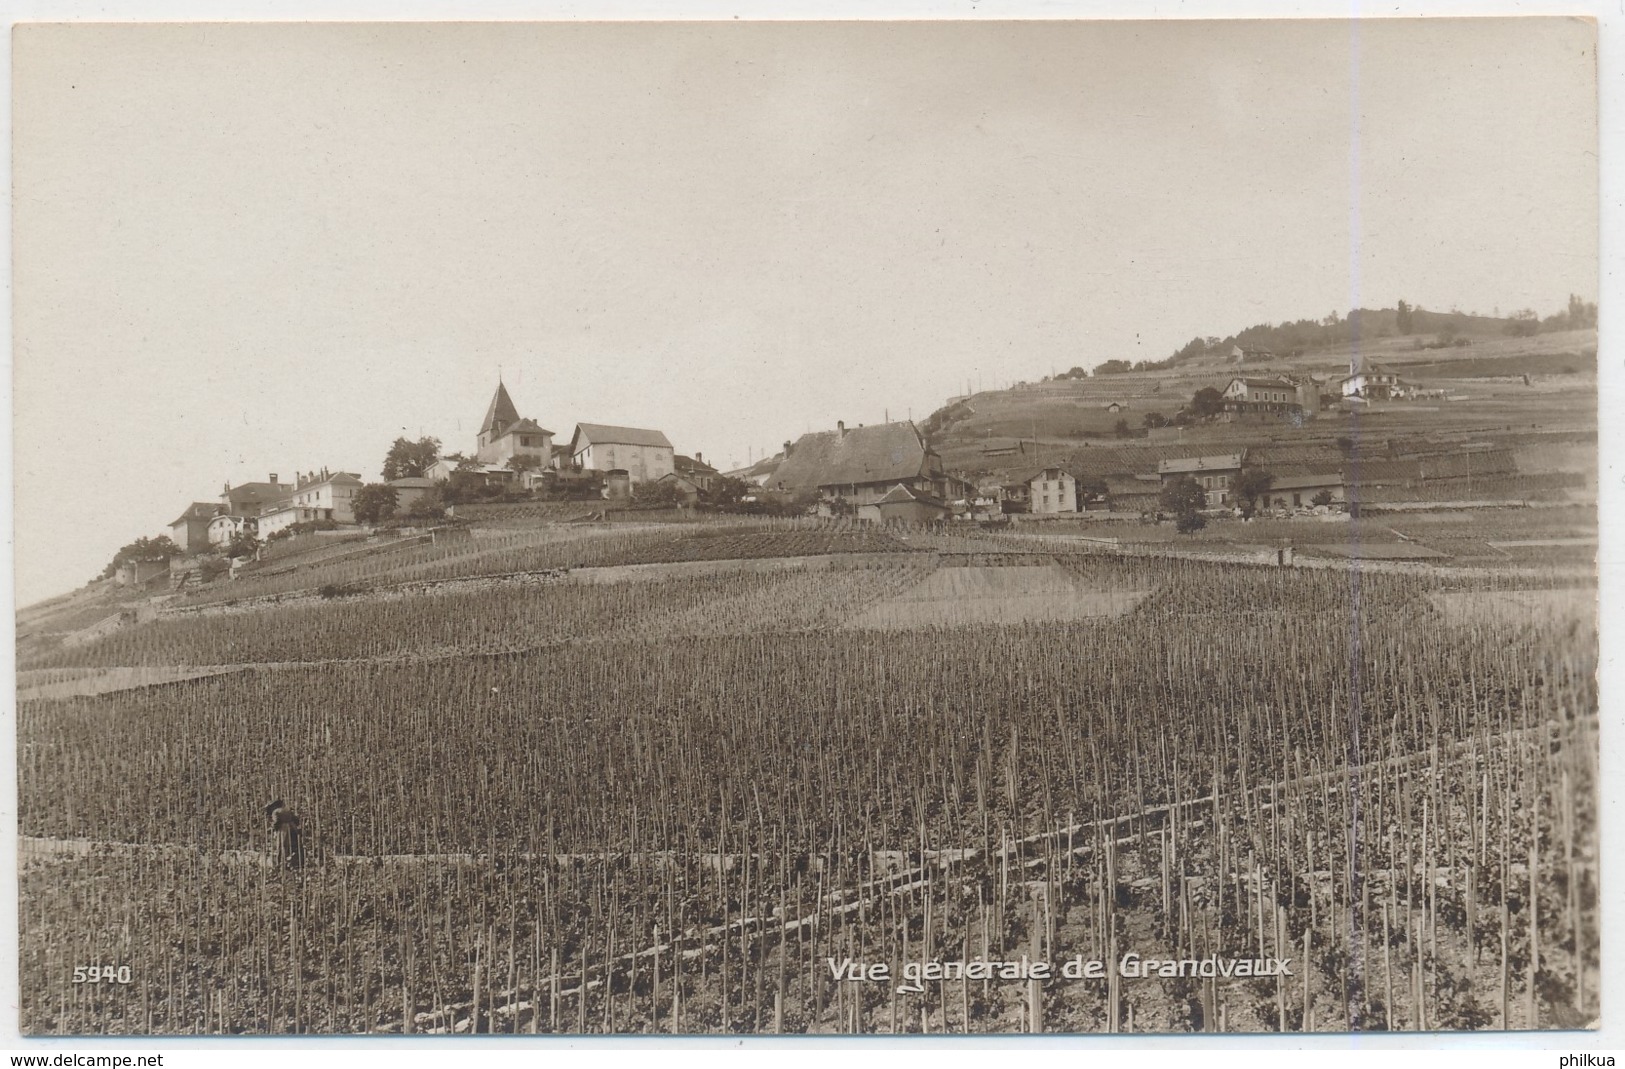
{"points": [[285, 826]]}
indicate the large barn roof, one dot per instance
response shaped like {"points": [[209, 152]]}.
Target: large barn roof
{"points": [[602, 433], [875, 454]]}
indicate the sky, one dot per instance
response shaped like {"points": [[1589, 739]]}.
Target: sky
{"points": [[252, 248]]}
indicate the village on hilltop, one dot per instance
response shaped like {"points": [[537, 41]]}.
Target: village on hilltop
{"points": [[1241, 430]]}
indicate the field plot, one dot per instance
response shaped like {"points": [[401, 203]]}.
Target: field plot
{"points": [[667, 802], [956, 596]]}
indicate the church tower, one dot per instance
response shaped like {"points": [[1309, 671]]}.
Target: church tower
{"points": [[498, 418]]}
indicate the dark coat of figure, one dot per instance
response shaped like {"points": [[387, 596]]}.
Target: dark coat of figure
{"points": [[285, 826]]}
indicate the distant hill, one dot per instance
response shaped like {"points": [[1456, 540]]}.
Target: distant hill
{"points": [[1267, 341]]}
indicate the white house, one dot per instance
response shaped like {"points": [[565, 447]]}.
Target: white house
{"points": [[222, 529], [284, 515], [644, 455], [329, 495], [1052, 490], [1274, 392], [1373, 382], [1261, 390]]}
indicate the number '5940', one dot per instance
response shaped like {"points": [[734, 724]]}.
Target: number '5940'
{"points": [[101, 974]]}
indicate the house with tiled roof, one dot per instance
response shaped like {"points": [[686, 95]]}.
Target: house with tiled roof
{"points": [[1371, 381], [861, 465], [248, 500], [409, 491], [315, 496], [1215, 474], [645, 455], [1265, 394], [902, 505], [698, 473], [190, 530], [1050, 490]]}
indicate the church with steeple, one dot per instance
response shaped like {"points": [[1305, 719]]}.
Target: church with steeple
{"points": [[504, 435]]}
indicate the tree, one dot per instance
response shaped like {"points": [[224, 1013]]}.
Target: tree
{"points": [[1523, 323], [1404, 320], [242, 544], [1322, 498], [1184, 497], [1091, 488], [374, 502], [1112, 367], [410, 460], [430, 505], [1183, 494], [840, 506], [1154, 419], [143, 550], [662, 493], [1250, 485], [1122, 429], [1205, 402], [520, 463], [727, 491], [1189, 522], [1581, 314]]}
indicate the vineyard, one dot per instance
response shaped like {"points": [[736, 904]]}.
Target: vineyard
{"points": [[670, 801]]}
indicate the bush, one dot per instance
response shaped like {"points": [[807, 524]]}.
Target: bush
{"points": [[1189, 521]]}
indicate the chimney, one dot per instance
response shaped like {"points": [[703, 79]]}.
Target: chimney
{"points": [[840, 426], [787, 447], [699, 457], [273, 478]]}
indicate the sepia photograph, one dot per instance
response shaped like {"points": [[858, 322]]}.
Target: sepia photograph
{"points": [[929, 527]]}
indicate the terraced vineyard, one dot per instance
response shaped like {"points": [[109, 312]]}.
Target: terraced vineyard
{"points": [[667, 801]]}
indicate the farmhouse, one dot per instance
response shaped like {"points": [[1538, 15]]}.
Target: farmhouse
{"points": [[686, 487], [409, 491], [1051, 490], [644, 455], [861, 465], [190, 530], [1214, 474], [701, 475], [1272, 394], [1372, 382], [902, 505], [1299, 491]]}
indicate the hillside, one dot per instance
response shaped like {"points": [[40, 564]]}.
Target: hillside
{"points": [[1365, 326], [1002, 431]]}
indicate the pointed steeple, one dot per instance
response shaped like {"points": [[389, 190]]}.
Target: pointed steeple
{"points": [[500, 414]]}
